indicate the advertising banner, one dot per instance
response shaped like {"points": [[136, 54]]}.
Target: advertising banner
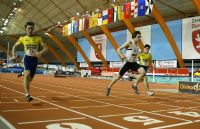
{"points": [[191, 38], [189, 87]]}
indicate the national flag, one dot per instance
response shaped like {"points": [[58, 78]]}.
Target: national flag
{"points": [[149, 6], [119, 12], [135, 8], [75, 27], [80, 24], [105, 17], [127, 10], [95, 19], [99, 19], [141, 8], [115, 14], [65, 30], [110, 15], [122, 13], [91, 21], [69, 28], [86, 22]]}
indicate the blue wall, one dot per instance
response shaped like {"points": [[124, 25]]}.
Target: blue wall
{"points": [[160, 46], [85, 45], [120, 38]]}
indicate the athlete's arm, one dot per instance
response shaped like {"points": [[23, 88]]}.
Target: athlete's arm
{"points": [[126, 44], [14, 49], [45, 49]]}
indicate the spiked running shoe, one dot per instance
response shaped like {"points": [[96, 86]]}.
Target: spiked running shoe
{"points": [[150, 93], [135, 90], [29, 98], [108, 91]]}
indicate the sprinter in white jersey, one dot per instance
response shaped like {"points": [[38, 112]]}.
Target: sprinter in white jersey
{"points": [[129, 62]]}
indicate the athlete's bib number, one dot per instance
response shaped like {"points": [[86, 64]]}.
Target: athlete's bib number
{"points": [[31, 50]]}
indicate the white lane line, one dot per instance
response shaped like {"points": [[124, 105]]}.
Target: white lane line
{"points": [[119, 114], [91, 106], [106, 103], [117, 105], [197, 121], [16, 100], [172, 125], [95, 118], [32, 122], [20, 102], [7, 123], [29, 110]]}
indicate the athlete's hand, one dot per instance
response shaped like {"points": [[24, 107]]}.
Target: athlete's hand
{"points": [[123, 57], [38, 54], [14, 57]]}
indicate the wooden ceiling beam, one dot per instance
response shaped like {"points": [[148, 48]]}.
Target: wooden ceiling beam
{"points": [[77, 46], [131, 28], [55, 54], [110, 38], [197, 5], [63, 48]]}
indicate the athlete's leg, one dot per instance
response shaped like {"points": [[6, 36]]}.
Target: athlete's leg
{"points": [[141, 74], [115, 79], [26, 82]]}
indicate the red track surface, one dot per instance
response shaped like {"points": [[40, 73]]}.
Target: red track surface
{"points": [[80, 103]]}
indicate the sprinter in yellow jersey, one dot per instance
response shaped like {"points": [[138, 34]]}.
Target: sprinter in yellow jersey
{"points": [[145, 59], [31, 44]]}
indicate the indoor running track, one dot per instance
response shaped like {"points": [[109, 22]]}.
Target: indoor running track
{"points": [[80, 103]]}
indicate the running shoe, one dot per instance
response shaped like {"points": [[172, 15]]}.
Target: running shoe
{"points": [[150, 93], [108, 91], [19, 75], [29, 98], [136, 90]]}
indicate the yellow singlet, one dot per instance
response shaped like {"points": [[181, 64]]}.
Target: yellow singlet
{"points": [[31, 44], [145, 58]]}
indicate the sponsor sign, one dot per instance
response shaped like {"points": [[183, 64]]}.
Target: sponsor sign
{"points": [[83, 65], [189, 87], [197, 73], [191, 38], [166, 64], [115, 64]]}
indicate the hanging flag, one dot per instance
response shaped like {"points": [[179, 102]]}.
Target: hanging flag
{"points": [[105, 17], [91, 21], [75, 27], [127, 10], [110, 15], [122, 13], [116, 14], [95, 19], [119, 10], [135, 8], [80, 24], [86, 22], [65, 30], [99, 19], [141, 8], [69, 28], [149, 6]]}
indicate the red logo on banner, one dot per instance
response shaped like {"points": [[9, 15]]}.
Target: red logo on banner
{"points": [[196, 40]]}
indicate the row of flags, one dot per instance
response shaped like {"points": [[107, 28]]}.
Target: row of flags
{"points": [[125, 11]]}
